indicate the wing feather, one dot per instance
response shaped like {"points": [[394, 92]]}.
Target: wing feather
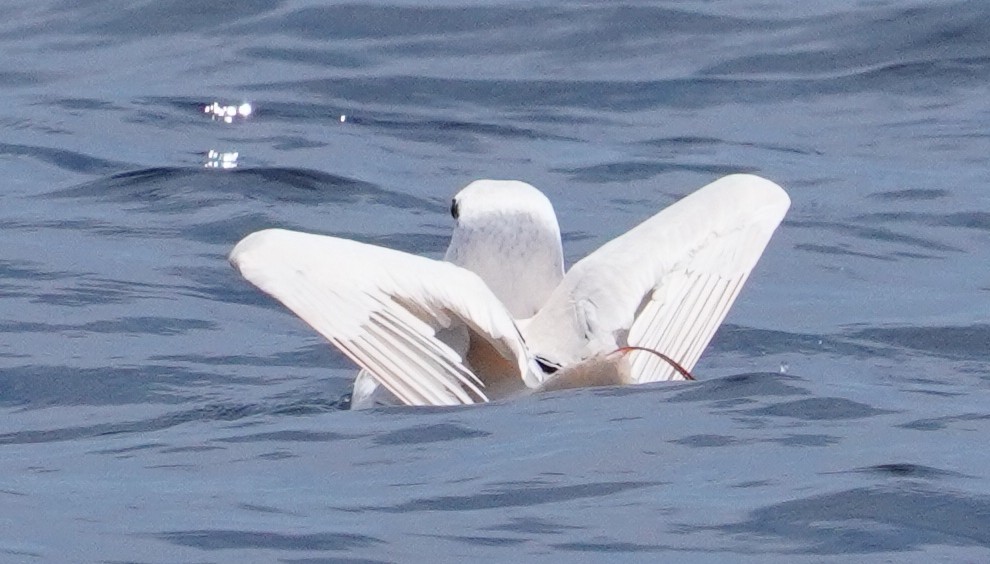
{"points": [[667, 284], [383, 309], [368, 355]]}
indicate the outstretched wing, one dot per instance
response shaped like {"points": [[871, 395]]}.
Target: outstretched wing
{"points": [[665, 285], [412, 322]]}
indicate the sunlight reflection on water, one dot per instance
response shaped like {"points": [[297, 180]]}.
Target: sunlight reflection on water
{"points": [[217, 159], [227, 114]]}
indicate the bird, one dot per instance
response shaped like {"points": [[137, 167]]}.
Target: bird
{"points": [[499, 317]]}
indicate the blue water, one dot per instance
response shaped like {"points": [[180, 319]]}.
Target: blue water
{"points": [[155, 408]]}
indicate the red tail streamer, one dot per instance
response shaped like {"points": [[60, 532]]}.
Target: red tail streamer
{"points": [[673, 363]]}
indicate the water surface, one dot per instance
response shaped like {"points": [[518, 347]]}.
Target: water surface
{"points": [[155, 408]]}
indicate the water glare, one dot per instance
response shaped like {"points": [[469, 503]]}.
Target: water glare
{"points": [[216, 159], [218, 111]]}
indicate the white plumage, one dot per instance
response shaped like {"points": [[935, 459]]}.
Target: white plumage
{"points": [[498, 315]]}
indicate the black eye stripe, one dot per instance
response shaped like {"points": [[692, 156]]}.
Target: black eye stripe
{"points": [[453, 208]]}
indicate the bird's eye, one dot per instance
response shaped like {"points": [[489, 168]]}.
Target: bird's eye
{"points": [[453, 208]]}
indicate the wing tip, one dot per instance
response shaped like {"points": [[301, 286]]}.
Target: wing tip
{"points": [[252, 245], [769, 192]]}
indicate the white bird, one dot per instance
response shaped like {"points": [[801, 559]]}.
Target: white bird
{"points": [[498, 317]]}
